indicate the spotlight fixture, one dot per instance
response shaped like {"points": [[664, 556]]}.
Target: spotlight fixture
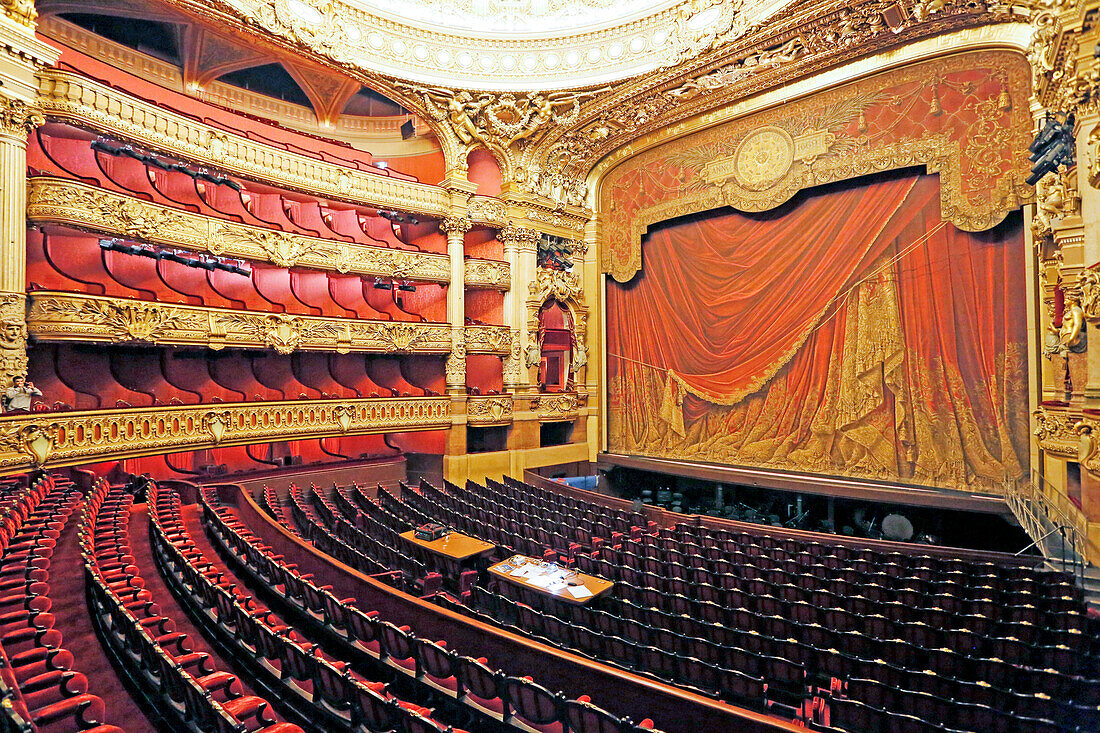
{"points": [[1054, 146], [408, 130], [379, 285], [407, 288]]}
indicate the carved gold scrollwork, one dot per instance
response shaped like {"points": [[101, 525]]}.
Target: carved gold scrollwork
{"points": [[107, 212], [71, 438], [556, 407], [73, 317], [1056, 432], [489, 274], [16, 116], [488, 339], [13, 336], [492, 410]]}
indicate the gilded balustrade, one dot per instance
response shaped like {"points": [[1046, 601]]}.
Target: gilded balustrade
{"points": [[56, 439], [57, 316], [87, 207], [70, 97]]}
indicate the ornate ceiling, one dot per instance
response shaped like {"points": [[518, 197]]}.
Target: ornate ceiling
{"points": [[508, 45]]}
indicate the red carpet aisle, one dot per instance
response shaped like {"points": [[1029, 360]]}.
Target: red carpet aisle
{"points": [[70, 608]]}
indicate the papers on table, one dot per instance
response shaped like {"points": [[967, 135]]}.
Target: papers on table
{"points": [[579, 591], [544, 575]]}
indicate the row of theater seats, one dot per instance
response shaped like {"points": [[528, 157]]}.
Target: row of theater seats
{"points": [[362, 530], [385, 564], [64, 151], [40, 689], [70, 261], [252, 127], [88, 378], [804, 641], [182, 684], [320, 686], [444, 674]]}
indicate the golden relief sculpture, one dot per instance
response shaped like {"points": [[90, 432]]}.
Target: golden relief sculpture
{"points": [[565, 287], [21, 11], [488, 274], [13, 336], [488, 339], [1056, 197], [487, 210], [513, 363], [17, 117], [75, 98], [491, 410], [92, 318], [1056, 432], [57, 200], [72, 438], [556, 407], [759, 162]]}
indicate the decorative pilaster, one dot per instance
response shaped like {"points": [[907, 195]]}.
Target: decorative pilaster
{"points": [[17, 119], [521, 251], [455, 228]]}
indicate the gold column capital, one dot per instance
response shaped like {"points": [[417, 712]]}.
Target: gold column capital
{"points": [[455, 225], [519, 237], [18, 118]]}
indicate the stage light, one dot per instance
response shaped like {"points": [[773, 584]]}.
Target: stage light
{"points": [[407, 288], [408, 130], [1054, 146], [379, 285]]}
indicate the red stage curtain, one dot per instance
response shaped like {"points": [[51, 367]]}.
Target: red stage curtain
{"points": [[726, 317], [812, 338]]}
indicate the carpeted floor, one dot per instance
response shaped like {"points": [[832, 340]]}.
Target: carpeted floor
{"points": [[73, 620]]}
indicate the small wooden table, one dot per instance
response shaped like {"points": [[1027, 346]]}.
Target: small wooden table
{"points": [[540, 572], [456, 546]]}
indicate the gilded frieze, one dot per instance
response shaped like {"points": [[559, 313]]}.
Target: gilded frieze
{"points": [[74, 98], [964, 117], [492, 410], [70, 438], [1056, 432], [76, 317], [57, 200], [556, 407], [488, 339], [492, 274]]}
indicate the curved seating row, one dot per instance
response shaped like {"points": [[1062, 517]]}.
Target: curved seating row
{"points": [[40, 689], [180, 683], [518, 702]]}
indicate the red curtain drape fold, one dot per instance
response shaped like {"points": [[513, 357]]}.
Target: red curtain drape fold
{"points": [[724, 319], [850, 332]]}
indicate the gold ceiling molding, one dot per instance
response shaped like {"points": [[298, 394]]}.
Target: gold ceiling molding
{"points": [[57, 316], [72, 438], [70, 97], [354, 37], [801, 46], [492, 410], [488, 339], [63, 201], [758, 162]]}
